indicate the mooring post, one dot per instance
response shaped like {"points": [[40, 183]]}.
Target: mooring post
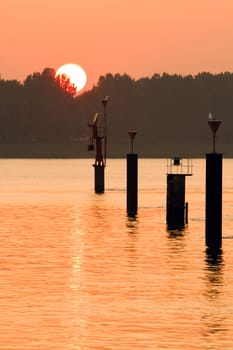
{"points": [[177, 209], [213, 193], [99, 178], [175, 201], [132, 179]]}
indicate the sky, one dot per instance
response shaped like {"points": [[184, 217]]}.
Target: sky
{"points": [[136, 37]]}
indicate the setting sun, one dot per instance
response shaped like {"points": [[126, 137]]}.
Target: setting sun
{"points": [[74, 73]]}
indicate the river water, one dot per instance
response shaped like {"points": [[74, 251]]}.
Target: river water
{"points": [[77, 274]]}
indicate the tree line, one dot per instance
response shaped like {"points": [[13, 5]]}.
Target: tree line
{"points": [[169, 112]]}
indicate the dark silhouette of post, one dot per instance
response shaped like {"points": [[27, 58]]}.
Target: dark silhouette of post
{"points": [[99, 178], [213, 192], [99, 134], [132, 179], [177, 209]]}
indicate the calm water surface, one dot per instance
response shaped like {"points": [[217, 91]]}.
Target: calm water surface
{"points": [[77, 274]]}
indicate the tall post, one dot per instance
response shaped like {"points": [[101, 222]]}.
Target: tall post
{"points": [[214, 200], [213, 228], [132, 179]]}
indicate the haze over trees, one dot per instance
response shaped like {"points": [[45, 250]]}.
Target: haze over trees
{"points": [[169, 113]]}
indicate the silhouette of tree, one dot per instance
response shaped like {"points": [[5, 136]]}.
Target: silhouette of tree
{"points": [[169, 112], [66, 85]]}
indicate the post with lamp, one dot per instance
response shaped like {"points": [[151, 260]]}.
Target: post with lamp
{"points": [[213, 223]]}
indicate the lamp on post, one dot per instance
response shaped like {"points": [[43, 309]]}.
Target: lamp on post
{"points": [[214, 124], [132, 135]]}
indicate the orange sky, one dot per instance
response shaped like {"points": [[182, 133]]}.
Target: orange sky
{"points": [[137, 37]]}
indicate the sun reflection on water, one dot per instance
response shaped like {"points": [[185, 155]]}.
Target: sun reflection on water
{"points": [[77, 273]]}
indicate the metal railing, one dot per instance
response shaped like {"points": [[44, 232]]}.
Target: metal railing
{"points": [[180, 166]]}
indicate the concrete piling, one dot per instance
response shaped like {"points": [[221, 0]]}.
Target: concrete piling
{"points": [[132, 184], [213, 227], [132, 179], [177, 209], [99, 178], [175, 201]]}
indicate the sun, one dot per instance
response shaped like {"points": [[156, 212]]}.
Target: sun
{"points": [[72, 74]]}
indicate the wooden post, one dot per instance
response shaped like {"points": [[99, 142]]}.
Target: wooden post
{"points": [[214, 200], [132, 184], [176, 201], [99, 178]]}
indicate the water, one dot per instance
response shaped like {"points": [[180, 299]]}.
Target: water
{"points": [[77, 274]]}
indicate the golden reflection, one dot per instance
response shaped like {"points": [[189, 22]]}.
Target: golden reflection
{"points": [[132, 224], [34, 271], [176, 239], [76, 299], [83, 276], [214, 273], [175, 233], [131, 243], [77, 248], [213, 318]]}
